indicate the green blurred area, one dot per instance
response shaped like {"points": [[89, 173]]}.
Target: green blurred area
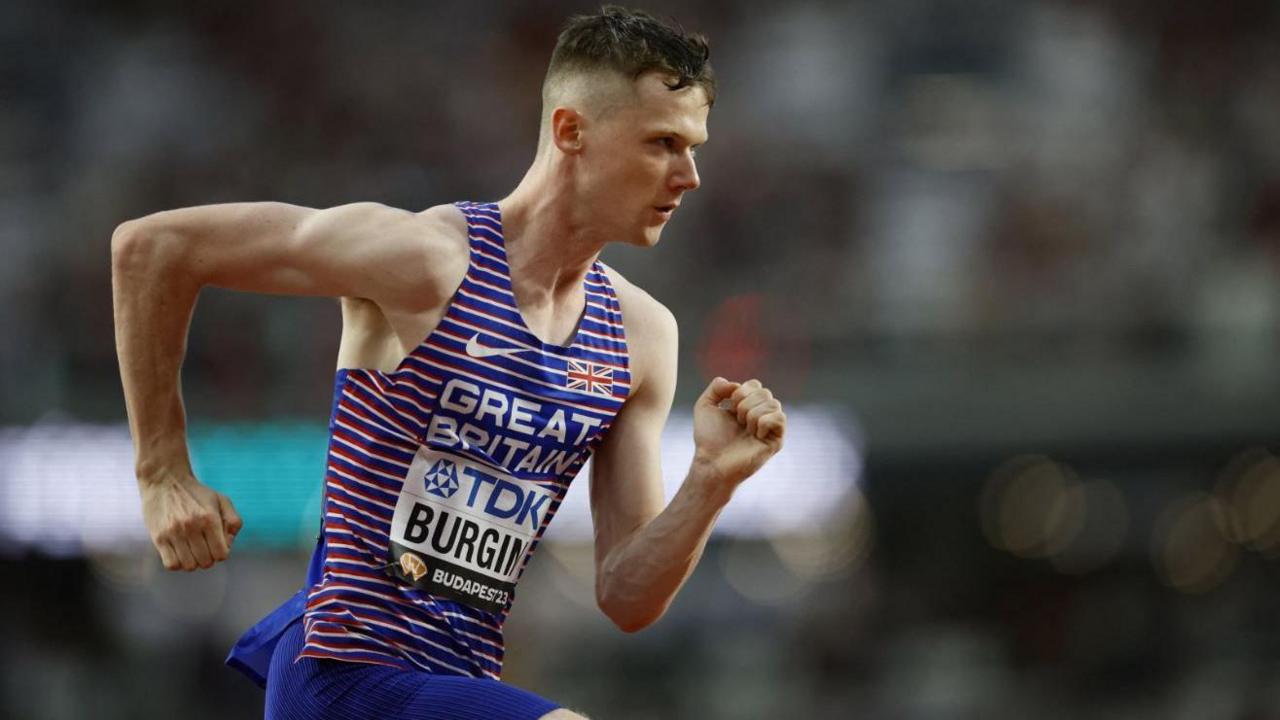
{"points": [[273, 472]]}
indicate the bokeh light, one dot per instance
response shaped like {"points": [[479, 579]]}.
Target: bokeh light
{"points": [[1031, 506], [1035, 507], [839, 547], [1190, 547], [1249, 489]]}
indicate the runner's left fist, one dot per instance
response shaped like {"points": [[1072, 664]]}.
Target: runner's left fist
{"points": [[737, 427]]}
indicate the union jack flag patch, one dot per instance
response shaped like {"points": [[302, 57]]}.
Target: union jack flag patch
{"points": [[589, 378]]}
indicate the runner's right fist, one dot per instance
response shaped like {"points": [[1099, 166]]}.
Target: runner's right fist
{"points": [[737, 427], [191, 525]]}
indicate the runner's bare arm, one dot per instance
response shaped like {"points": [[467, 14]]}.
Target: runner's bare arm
{"points": [[643, 552], [159, 264], [363, 249]]}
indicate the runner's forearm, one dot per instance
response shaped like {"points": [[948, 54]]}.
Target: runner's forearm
{"points": [[641, 576], [153, 302]]}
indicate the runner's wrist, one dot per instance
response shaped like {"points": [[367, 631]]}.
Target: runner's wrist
{"points": [[157, 469], [708, 477]]}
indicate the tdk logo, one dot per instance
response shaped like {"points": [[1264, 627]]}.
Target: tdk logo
{"points": [[442, 479], [502, 499]]}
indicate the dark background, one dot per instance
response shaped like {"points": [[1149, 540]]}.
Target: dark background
{"points": [[1032, 247]]}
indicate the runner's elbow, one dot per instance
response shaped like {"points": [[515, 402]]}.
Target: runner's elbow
{"points": [[634, 626], [137, 247], [124, 241], [628, 618], [630, 623]]}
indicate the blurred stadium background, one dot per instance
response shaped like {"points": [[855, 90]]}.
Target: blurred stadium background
{"points": [[1015, 265]]}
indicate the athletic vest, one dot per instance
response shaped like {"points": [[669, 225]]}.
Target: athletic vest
{"points": [[443, 475]]}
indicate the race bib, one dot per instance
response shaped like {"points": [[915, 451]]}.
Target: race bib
{"points": [[461, 530]]}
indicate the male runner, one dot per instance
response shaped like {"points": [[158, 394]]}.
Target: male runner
{"points": [[449, 455]]}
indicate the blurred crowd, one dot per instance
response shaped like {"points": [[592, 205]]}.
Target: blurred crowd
{"points": [[1069, 177], [986, 227]]}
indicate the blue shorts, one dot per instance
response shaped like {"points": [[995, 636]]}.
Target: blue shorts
{"points": [[317, 689]]}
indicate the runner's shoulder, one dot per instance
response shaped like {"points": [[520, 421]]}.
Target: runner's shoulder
{"points": [[425, 253], [445, 224], [440, 229], [648, 323]]}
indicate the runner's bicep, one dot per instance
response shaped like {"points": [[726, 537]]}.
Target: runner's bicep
{"points": [[277, 248], [626, 482], [626, 479]]}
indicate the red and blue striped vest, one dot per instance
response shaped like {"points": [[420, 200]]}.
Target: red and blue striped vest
{"points": [[443, 475]]}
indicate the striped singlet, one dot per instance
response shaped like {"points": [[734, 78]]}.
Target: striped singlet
{"points": [[443, 474]]}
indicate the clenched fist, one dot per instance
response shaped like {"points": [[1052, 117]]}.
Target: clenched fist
{"points": [[190, 524], [737, 427]]}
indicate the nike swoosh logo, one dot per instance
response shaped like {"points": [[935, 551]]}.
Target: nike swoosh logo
{"points": [[476, 350]]}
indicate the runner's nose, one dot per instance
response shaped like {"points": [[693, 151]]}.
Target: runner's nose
{"points": [[685, 177]]}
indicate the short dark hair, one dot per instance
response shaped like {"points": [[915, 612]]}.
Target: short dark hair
{"points": [[633, 42]]}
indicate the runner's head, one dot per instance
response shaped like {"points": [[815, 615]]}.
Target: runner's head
{"points": [[624, 105]]}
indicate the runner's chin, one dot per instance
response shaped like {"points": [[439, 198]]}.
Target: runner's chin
{"points": [[651, 232], [649, 237]]}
